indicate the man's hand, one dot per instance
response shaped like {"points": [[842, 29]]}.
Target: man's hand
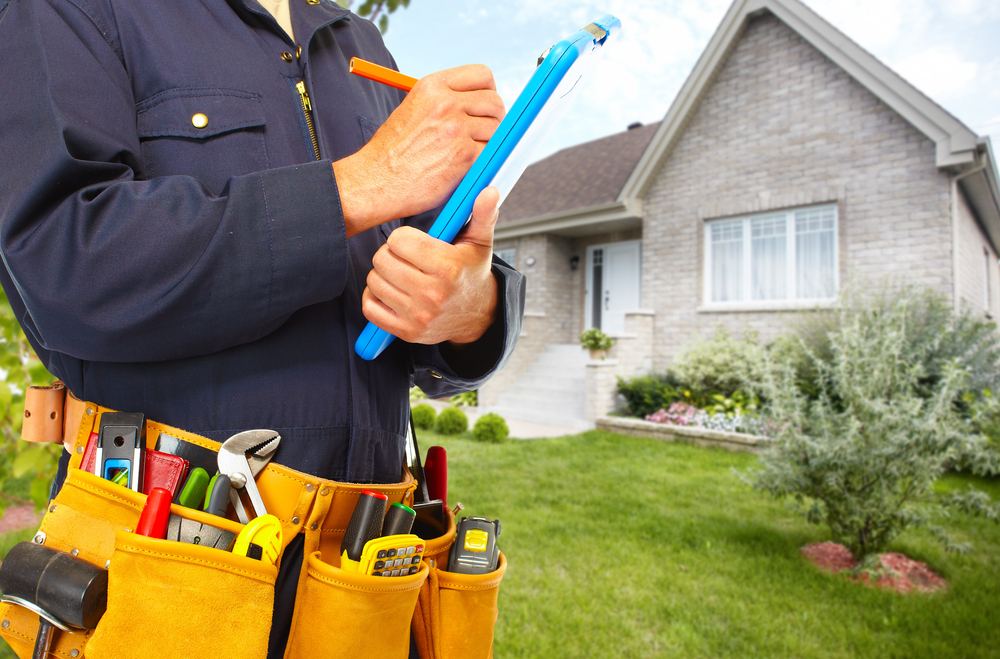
{"points": [[424, 290], [420, 154]]}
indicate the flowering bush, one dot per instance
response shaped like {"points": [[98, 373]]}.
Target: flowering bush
{"points": [[685, 414]]}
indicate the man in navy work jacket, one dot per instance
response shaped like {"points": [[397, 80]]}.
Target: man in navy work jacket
{"points": [[192, 197]]}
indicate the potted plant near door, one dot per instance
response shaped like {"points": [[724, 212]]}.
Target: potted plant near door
{"points": [[597, 342]]}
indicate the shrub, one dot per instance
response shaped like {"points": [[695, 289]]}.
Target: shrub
{"points": [[490, 428], [595, 339], [452, 421], [929, 329], [864, 455], [465, 399], [720, 365], [424, 416], [647, 394]]}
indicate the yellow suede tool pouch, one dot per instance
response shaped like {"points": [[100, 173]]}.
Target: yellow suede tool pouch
{"points": [[175, 599], [455, 613], [344, 615], [165, 598]]}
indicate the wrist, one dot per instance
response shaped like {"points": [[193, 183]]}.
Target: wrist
{"points": [[360, 192]]}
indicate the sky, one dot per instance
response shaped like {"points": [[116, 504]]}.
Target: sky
{"points": [[948, 49]]}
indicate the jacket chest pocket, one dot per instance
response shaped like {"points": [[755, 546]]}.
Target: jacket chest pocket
{"points": [[210, 134]]}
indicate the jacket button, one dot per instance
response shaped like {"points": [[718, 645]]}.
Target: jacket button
{"points": [[287, 56], [435, 374], [298, 53], [313, 2], [199, 120]]}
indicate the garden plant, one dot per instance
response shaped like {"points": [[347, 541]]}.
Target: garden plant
{"points": [[490, 428], [860, 452], [424, 416], [452, 421]]}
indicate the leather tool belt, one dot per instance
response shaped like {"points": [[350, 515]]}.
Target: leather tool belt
{"points": [[172, 599]]}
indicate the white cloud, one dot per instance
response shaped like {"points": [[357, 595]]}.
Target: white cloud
{"points": [[939, 72]]}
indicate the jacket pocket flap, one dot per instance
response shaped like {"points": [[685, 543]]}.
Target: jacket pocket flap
{"points": [[198, 113]]}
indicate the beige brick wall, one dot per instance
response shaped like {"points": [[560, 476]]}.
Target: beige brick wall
{"points": [[976, 261], [783, 127]]}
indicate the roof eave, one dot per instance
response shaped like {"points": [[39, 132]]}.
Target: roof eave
{"points": [[615, 215], [982, 188]]}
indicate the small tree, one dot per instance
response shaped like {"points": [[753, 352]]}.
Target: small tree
{"points": [[863, 456], [25, 469]]}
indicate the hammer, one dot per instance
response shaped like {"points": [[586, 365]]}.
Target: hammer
{"points": [[65, 591]]}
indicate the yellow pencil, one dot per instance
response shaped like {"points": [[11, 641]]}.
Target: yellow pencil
{"points": [[381, 74]]}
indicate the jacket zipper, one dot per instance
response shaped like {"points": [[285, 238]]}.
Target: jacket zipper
{"points": [[307, 109]]}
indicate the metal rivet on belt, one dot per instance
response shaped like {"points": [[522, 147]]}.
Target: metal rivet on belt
{"points": [[314, 526], [325, 491], [74, 653], [5, 624], [75, 552], [79, 449], [27, 414], [39, 538], [310, 487], [52, 415], [107, 564], [90, 411], [52, 509], [295, 520]]}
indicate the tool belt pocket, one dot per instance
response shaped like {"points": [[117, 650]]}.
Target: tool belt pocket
{"points": [[83, 520], [455, 613], [344, 615], [174, 599]]}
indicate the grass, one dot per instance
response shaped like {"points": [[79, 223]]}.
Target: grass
{"points": [[628, 547]]}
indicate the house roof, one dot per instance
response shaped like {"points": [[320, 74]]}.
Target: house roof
{"points": [[958, 149], [582, 176]]}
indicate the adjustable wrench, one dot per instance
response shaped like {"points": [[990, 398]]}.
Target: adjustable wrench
{"points": [[242, 457]]}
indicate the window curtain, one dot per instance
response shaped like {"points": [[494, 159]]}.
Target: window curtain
{"points": [[769, 260], [814, 243], [727, 260]]}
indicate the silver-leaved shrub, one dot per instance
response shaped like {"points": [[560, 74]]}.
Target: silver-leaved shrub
{"points": [[862, 453]]}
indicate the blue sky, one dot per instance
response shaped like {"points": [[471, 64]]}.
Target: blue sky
{"points": [[948, 49]]}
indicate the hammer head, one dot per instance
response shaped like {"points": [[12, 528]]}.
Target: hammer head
{"points": [[65, 587]]}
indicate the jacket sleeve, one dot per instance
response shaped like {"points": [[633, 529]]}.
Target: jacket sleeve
{"points": [[114, 268], [441, 370]]}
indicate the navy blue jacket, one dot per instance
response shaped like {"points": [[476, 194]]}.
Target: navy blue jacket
{"points": [[202, 275]]}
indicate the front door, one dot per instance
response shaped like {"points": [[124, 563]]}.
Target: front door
{"points": [[614, 274]]}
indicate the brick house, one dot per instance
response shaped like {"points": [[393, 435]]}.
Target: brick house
{"points": [[790, 162]]}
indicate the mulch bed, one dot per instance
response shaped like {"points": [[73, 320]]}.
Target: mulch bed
{"points": [[899, 572]]}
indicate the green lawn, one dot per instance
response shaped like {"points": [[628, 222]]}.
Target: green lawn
{"points": [[628, 547]]}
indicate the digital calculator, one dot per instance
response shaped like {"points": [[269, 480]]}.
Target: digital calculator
{"points": [[392, 556]]}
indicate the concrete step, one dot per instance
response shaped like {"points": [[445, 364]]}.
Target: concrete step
{"points": [[568, 405], [535, 369], [550, 390]]}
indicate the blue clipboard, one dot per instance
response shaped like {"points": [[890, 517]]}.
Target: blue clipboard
{"points": [[544, 100]]}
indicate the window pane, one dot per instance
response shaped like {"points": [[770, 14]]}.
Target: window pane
{"points": [[508, 256], [769, 262], [815, 233], [727, 260]]}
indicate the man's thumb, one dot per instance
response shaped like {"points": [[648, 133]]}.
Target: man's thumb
{"points": [[479, 230]]}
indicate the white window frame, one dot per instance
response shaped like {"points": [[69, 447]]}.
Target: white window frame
{"points": [[791, 301]]}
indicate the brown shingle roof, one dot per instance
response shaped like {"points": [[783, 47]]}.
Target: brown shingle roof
{"points": [[581, 176]]}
